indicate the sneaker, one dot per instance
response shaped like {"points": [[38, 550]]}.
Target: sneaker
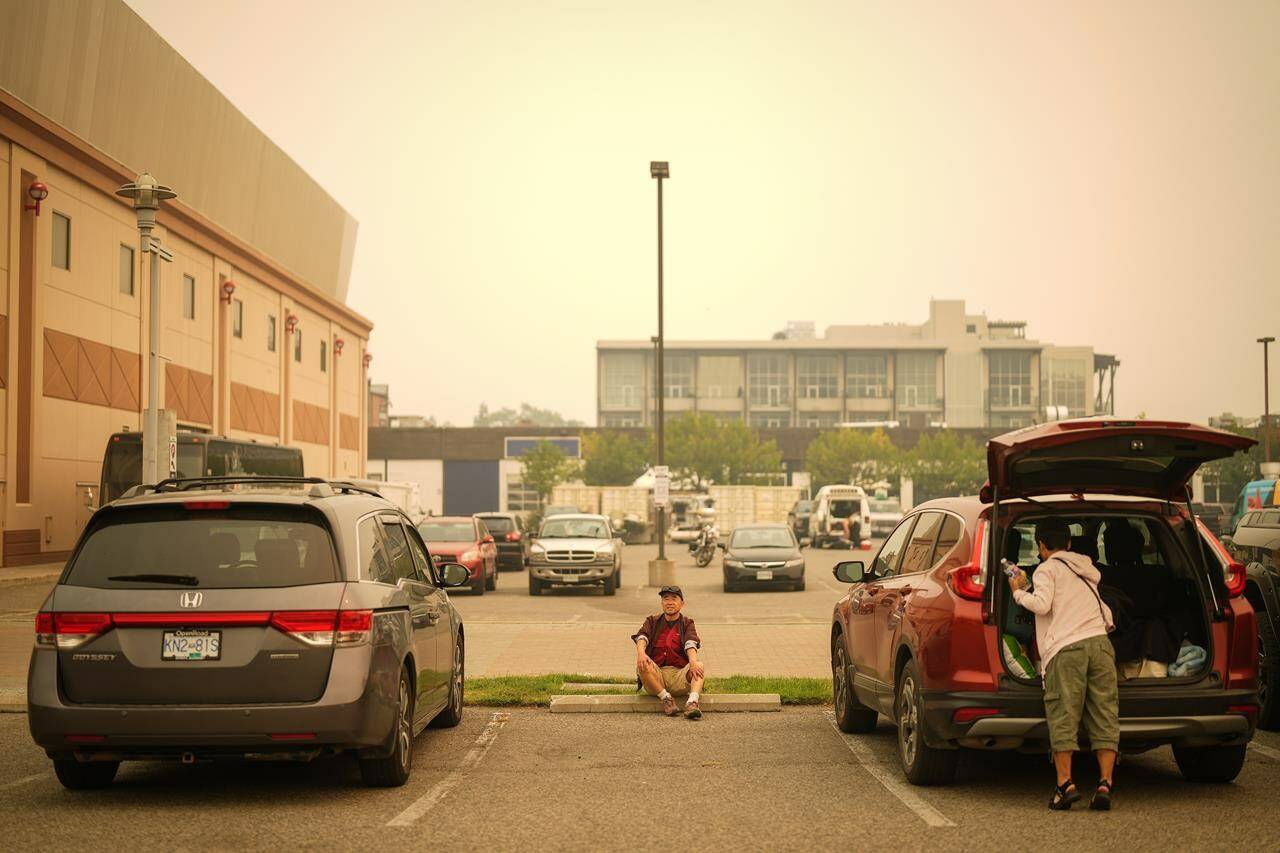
{"points": [[669, 707], [692, 711]]}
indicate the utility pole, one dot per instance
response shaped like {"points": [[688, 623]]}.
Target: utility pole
{"points": [[1266, 395], [661, 571]]}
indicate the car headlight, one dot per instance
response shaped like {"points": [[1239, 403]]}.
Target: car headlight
{"points": [[605, 551], [733, 564], [535, 548], [469, 556], [795, 564]]}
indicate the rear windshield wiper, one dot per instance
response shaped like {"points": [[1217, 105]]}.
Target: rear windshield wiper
{"points": [[181, 580]]}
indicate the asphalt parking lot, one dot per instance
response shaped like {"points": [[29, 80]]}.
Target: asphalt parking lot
{"points": [[529, 780]]}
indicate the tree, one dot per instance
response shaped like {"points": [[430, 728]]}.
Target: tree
{"points": [[544, 468], [851, 456], [703, 449], [943, 464], [1224, 478], [613, 458], [526, 416]]}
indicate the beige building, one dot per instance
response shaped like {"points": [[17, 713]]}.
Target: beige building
{"points": [[957, 370], [257, 341]]}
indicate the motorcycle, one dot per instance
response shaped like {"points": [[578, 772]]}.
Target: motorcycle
{"points": [[703, 548]]}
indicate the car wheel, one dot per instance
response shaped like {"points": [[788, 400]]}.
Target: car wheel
{"points": [[492, 583], [478, 585], [393, 770], [84, 775], [452, 713], [921, 763], [851, 715], [1210, 763], [535, 585], [611, 584], [1268, 673]]}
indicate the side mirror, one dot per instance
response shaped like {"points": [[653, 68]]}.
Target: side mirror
{"points": [[453, 575], [723, 546], [850, 571]]}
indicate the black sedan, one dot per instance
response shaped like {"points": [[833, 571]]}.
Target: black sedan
{"points": [[763, 556]]}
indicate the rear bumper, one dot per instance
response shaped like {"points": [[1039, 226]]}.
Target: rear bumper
{"points": [[355, 711], [1158, 717], [511, 556]]}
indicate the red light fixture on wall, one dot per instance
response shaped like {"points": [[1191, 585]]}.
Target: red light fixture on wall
{"points": [[291, 322], [38, 192], [228, 288], [338, 344]]}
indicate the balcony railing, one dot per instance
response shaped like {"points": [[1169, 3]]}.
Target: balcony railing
{"points": [[1010, 397]]}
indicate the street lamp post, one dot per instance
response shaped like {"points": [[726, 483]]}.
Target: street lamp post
{"points": [[146, 194], [1266, 395], [660, 170]]}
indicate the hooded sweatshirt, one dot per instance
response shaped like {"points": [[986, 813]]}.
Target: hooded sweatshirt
{"points": [[1065, 603]]}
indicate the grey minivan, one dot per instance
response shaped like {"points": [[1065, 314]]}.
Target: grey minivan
{"points": [[223, 618]]}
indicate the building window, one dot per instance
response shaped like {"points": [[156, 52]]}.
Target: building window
{"points": [[520, 498], [1009, 420], [126, 269], [970, 329], [615, 420], [324, 356], [768, 380], [237, 318], [917, 382], [719, 377], [677, 375], [1068, 383], [297, 345], [188, 297], [61, 241], [867, 376], [819, 420], [1010, 380], [769, 420], [817, 376], [271, 333], [623, 380]]}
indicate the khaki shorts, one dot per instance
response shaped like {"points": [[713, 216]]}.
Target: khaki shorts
{"points": [[674, 679], [1080, 684]]}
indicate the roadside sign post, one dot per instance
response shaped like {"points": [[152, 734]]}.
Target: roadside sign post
{"points": [[661, 487]]}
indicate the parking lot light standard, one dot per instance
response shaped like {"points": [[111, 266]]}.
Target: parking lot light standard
{"points": [[1266, 396], [660, 170]]}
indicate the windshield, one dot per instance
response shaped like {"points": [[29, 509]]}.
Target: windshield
{"points": [[885, 506], [761, 537], [498, 524], [447, 531], [574, 528], [243, 546]]}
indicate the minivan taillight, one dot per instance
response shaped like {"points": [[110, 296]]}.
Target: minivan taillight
{"points": [[70, 630], [325, 627], [355, 628], [966, 581]]}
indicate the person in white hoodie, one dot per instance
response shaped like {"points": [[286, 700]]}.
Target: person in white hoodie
{"points": [[1077, 659]]}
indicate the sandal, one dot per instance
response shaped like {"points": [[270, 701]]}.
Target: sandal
{"points": [[1101, 801], [1064, 796]]}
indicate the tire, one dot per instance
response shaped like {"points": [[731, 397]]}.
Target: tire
{"points": [[535, 585], [611, 584], [921, 763], [393, 770], [491, 584], [84, 775], [851, 715], [452, 713], [1268, 673], [478, 585], [1210, 763], [798, 586]]}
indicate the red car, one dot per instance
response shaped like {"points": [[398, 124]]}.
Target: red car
{"points": [[466, 540], [920, 635]]}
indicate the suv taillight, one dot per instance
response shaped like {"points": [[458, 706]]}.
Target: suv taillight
{"points": [[1233, 573], [966, 581], [513, 536], [70, 630]]}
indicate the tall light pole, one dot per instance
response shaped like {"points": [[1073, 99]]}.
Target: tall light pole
{"points": [[660, 170], [147, 193], [1266, 395]]}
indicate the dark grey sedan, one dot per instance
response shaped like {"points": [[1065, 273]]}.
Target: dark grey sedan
{"points": [[762, 556], [199, 621]]}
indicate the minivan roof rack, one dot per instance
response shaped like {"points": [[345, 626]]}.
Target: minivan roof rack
{"points": [[174, 484]]}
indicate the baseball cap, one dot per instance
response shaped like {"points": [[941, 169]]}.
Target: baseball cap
{"points": [[671, 590]]}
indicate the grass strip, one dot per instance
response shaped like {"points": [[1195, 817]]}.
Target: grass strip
{"points": [[508, 691]]}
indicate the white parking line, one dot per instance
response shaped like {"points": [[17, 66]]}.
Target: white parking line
{"points": [[891, 781], [1273, 754], [441, 789], [24, 780]]}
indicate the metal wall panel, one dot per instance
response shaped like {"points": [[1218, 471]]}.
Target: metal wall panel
{"points": [[470, 487]]}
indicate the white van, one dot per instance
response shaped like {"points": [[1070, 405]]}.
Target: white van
{"points": [[841, 516]]}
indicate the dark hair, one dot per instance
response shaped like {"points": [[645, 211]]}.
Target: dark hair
{"points": [[1053, 533]]}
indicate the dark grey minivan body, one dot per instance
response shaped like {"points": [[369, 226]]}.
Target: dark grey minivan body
{"points": [[199, 622]]}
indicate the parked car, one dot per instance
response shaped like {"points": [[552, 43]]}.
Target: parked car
{"points": [[886, 513], [841, 517], [1256, 545], [197, 623], [1216, 517], [798, 519], [762, 555], [466, 541], [918, 636], [576, 550], [510, 538]]}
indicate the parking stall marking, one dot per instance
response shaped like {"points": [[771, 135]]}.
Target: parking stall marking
{"points": [[1273, 754], [24, 780], [892, 783], [441, 789]]}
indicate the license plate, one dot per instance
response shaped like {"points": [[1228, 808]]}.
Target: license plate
{"points": [[764, 575], [191, 645], [569, 578]]}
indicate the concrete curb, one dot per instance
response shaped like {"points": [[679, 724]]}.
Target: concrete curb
{"points": [[13, 701], [651, 705], [6, 579]]}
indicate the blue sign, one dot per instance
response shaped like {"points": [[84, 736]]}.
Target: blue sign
{"points": [[518, 447]]}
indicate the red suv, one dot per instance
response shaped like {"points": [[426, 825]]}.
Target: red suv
{"points": [[919, 636]]}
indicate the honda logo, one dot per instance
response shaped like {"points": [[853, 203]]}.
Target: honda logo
{"points": [[191, 599]]}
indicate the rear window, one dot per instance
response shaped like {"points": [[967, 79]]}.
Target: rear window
{"points": [[498, 524], [1271, 518], [845, 507], [170, 547], [447, 531]]}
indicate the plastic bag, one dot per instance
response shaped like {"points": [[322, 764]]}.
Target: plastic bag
{"points": [[1016, 657]]}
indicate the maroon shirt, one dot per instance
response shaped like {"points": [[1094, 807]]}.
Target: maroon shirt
{"points": [[667, 650]]}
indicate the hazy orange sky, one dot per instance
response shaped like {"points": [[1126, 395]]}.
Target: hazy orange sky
{"points": [[1108, 172]]}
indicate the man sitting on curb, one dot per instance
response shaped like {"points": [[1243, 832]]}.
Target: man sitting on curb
{"points": [[667, 655]]}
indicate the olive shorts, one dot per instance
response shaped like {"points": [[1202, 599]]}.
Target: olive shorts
{"points": [[1080, 684], [675, 680]]}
